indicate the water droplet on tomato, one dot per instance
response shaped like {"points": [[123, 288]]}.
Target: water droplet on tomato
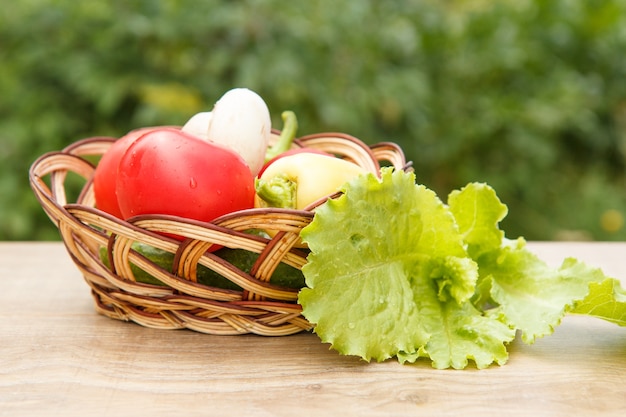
{"points": [[193, 183]]}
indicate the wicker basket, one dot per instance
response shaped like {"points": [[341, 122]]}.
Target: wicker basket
{"points": [[260, 307]]}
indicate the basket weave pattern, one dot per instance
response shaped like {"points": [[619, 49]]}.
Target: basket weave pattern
{"points": [[259, 308]]}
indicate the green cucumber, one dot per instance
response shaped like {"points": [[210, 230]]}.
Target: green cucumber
{"points": [[284, 275]]}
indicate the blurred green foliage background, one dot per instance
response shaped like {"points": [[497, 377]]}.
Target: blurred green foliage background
{"points": [[528, 96]]}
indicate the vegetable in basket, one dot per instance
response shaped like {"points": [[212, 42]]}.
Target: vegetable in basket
{"points": [[198, 124], [240, 121], [168, 171], [105, 176], [296, 177], [298, 180], [284, 275]]}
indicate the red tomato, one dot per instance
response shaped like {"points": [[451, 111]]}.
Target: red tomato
{"points": [[167, 171], [290, 152], [106, 172]]}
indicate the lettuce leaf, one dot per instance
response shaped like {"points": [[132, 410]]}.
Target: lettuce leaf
{"points": [[478, 211], [395, 272], [459, 333], [530, 295], [606, 300], [388, 274]]}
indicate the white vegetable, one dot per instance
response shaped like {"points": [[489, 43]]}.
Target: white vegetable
{"points": [[198, 125], [241, 121]]}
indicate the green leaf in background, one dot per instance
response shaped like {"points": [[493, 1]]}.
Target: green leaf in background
{"points": [[525, 96]]}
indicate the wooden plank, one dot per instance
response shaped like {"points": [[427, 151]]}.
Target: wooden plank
{"points": [[58, 357]]}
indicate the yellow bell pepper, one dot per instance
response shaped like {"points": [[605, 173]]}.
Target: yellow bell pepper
{"points": [[298, 180]]}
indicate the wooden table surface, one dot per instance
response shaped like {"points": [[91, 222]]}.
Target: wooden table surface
{"points": [[60, 358]]}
